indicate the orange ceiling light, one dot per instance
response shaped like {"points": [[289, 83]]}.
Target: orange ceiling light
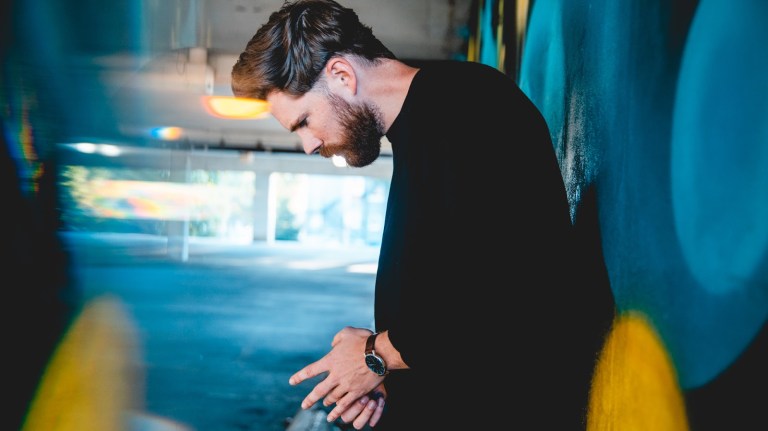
{"points": [[236, 108]]}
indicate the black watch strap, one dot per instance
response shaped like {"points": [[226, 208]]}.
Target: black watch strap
{"points": [[370, 342]]}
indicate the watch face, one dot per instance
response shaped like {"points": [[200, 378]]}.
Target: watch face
{"points": [[375, 364]]}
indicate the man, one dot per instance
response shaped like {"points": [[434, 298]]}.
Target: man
{"points": [[475, 313]]}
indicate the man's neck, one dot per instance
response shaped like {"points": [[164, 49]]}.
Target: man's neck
{"points": [[386, 86]]}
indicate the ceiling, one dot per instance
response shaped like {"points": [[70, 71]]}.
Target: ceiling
{"points": [[186, 50]]}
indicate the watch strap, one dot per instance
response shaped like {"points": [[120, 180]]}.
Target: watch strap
{"points": [[370, 342]]}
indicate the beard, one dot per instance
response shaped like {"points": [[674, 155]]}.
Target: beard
{"points": [[362, 130]]}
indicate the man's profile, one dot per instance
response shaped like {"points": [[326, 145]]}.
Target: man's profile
{"points": [[475, 326]]}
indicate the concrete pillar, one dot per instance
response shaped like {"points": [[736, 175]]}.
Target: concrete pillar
{"points": [[260, 211], [178, 230]]}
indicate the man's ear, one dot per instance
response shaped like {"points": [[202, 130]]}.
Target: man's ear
{"points": [[341, 75]]}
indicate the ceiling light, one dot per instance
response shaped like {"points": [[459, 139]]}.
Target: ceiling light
{"points": [[235, 108], [167, 133]]}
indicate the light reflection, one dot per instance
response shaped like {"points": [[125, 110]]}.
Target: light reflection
{"points": [[103, 149], [109, 150], [363, 268], [167, 133], [339, 162], [235, 108], [85, 147]]}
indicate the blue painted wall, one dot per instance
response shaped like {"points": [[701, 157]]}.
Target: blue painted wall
{"points": [[659, 109]]}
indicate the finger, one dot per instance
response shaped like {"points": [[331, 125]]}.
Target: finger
{"points": [[342, 405], [333, 396], [308, 372], [364, 416], [351, 413], [377, 412], [319, 392]]}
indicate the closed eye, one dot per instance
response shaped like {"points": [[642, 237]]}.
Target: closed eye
{"points": [[296, 126]]}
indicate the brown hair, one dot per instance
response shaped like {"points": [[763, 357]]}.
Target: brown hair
{"points": [[290, 50]]}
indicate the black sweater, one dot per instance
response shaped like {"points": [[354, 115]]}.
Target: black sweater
{"points": [[475, 270]]}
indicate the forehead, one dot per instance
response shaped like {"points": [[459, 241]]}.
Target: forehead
{"points": [[289, 110]]}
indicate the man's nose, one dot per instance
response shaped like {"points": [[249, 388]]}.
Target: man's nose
{"points": [[309, 142]]}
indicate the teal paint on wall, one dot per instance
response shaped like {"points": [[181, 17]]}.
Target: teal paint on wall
{"points": [[719, 157], [683, 216], [489, 54]]}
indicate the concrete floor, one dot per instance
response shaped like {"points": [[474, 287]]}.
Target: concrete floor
{"points": [[219, 334]]}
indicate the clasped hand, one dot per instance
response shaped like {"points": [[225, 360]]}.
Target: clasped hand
{"points": [[357, 392]]}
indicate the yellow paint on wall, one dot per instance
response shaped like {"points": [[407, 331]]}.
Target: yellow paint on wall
{"points": [[92, 379], [635, 387]]}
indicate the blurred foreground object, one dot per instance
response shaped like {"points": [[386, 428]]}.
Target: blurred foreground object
{"points": [[90, 382]]}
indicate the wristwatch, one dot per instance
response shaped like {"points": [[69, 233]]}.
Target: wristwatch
{"points": [[374, 362]]}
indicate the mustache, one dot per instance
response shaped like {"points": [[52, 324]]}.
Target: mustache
{"points": [[327, 151]]}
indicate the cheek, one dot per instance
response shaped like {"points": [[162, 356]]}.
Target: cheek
{"points": [[330, 128]]}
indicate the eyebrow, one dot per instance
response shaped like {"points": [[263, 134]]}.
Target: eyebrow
{"points": [[296, 124]]}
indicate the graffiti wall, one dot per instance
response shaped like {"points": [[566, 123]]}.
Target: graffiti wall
{"points": [[658, 111]]}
